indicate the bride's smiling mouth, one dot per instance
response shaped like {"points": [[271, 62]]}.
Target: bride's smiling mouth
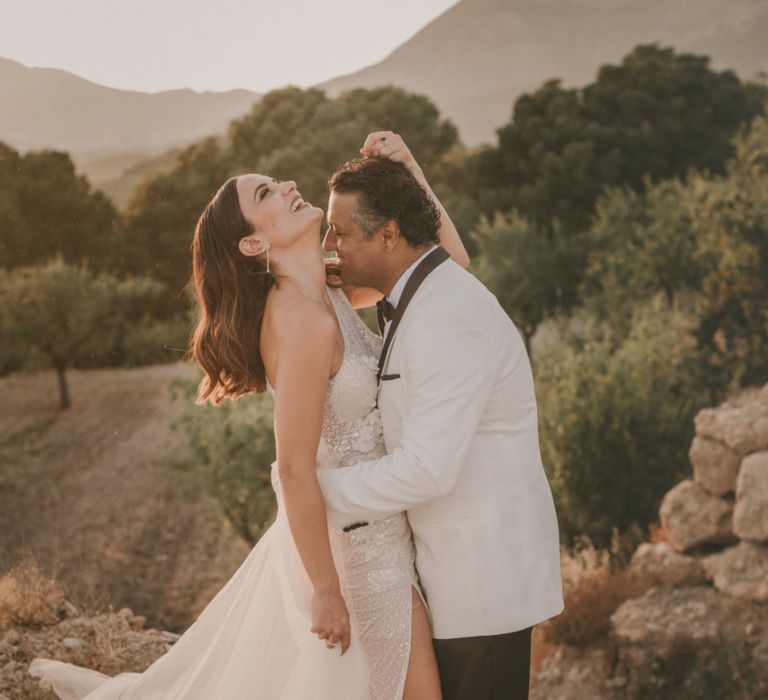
{"points": [[297, 204]]}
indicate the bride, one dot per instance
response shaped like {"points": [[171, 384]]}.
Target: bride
{"points": [[312, 612]]}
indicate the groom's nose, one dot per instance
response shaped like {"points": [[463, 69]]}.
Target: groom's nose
{"points": [[329, 241]]}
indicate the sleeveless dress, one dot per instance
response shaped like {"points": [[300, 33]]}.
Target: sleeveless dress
{"points": [[252, 641]]}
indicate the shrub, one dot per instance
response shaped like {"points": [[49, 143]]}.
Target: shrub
{"points": [[616, 420], [28, 597], [595, 584], [232, 449]]}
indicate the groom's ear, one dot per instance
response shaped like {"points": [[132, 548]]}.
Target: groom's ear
{"points": [[390, 235]]}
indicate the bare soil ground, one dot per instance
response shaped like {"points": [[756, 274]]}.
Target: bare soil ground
{"points": [[87, 493]]}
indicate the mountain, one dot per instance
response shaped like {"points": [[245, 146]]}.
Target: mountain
{"points": [[105, 129], [475, 59], [48, 107]]}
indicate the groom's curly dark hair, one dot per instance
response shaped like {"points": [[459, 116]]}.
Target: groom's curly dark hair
{"points": [[387, 191]]}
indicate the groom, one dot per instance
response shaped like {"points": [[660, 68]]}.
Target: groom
{"points": [[460, 424]]}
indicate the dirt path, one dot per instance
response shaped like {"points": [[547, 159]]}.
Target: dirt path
{"points": [[86, 493]]}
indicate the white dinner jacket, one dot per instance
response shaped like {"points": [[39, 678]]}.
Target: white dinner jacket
{"points": [[461, 431]]}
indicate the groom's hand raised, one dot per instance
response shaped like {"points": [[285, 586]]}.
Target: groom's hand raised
{"points": [[330, 620]]}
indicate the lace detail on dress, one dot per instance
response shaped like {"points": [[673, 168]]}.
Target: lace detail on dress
{"points": [[352, 429], [376, 562]]}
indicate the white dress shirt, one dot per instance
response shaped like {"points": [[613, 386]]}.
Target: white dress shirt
{"points": [[397, 291]]}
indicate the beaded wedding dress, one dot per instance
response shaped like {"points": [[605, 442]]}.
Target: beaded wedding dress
{"points": [[253, 640]]}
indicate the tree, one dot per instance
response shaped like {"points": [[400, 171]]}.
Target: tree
{"points": [[63, 312], [47, 210], [616, 419], [702, 241], [524, 265], [654, 117], [730, 218], [658, 115], [289, 134], [232, 448], [160, 217], [641, 244]]}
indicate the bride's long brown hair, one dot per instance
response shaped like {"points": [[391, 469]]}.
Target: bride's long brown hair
{"points": [[231, 291]]}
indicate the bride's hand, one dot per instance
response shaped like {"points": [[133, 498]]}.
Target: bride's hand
{"points": [[330, 620], [387, 144]]}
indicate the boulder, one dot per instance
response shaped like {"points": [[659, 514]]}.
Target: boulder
{"points": [[660, 565], [742, 424], [715, 465], [691, 517], [750, 517], [672, 640], [740, 571]]}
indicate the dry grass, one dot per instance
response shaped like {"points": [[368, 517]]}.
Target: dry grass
{"points": [[85, 492], [657, 534], [28, 597], [594, 586]]}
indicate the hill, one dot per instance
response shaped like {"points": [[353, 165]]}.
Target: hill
{"points": [[106, 130], [480, 55], [84, 494]]}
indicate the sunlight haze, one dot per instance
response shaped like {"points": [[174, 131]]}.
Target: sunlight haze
{"points": [[259, 45]]}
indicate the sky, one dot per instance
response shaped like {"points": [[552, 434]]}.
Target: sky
{"points": [[153, 45]]}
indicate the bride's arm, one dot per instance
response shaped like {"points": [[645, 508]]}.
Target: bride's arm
{"points": [[300, 380], [394, 147]]}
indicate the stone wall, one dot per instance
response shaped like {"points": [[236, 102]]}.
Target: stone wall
{"points": [[701, 628], [724, 506]]}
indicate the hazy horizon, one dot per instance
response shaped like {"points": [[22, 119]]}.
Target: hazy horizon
{"points": [[259, 46]]}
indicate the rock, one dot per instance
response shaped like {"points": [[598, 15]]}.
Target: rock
{"points": [[68, 610], [691, 516], [715, 465], [572, 673], [670, 640], [73, 643], [12, 637], [740, 571], [137, 622], [742, 424], [660, 617], [750, 517], [661, 565], [125, 613]]}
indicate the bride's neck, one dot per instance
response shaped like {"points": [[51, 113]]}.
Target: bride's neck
{"points": [[301, 268]]}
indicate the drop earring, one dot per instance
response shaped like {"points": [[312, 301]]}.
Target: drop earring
{"points": [[265, 249]]}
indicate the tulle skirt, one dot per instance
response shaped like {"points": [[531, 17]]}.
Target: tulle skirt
{"points": [[251, 641]]}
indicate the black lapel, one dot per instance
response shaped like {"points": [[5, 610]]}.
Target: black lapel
{"points": [[430, 262]]}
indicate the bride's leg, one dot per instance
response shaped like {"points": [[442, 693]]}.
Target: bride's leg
{"points": [[422, 681]]}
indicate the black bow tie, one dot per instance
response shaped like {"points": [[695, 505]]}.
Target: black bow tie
{"points": [[384, 312]]}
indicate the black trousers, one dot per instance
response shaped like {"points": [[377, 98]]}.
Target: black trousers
{"points": [[485, 668]]}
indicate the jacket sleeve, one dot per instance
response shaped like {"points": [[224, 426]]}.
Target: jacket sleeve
{"points": [[449, 366]]}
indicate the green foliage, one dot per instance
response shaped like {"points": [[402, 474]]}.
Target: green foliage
{"points": [[641, 245], [289, 134], [657, 115], [616, 419], [66, 314], [232, 448], [525, 265], [47, 210], [153, 341], [161, 216], [704, 242], [730, 217]]}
